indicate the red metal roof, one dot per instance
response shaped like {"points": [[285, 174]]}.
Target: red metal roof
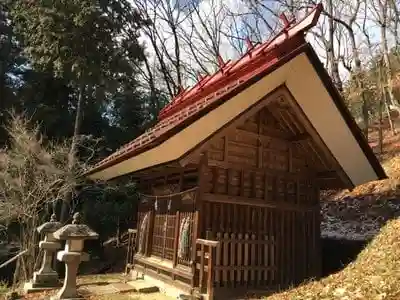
{"points": [[212, 88]]}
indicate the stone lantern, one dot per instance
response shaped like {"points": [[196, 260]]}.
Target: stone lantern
{"points": [[74, 235], [46, 277]]}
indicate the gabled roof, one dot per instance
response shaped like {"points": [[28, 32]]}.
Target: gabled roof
{"points": [[232, 79]]}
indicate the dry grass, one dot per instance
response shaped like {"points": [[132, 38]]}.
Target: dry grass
{"points": [[374, 275]]}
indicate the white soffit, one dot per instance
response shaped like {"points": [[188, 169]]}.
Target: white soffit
{"points": [[308, 90], [315, 101]]}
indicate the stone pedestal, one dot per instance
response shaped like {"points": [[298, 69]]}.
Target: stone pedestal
{"points": [[46, 277], [74, 234], [72, 261]]}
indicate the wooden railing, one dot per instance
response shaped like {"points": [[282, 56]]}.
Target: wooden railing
{"points": [[205, 262], [132, 234]]}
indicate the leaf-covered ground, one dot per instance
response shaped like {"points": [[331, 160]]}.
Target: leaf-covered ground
{"points": [[359, 214], [374, 275]]}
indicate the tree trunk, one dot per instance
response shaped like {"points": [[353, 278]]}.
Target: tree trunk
{"points": [[380, 107], [388, 67], [331, 51], [72, 153], [359, 83], [118, 234]]}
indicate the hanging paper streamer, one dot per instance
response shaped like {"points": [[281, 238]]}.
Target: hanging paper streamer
{"points": [[156, 205], [169, 204], [142, 233], [184, 238]]}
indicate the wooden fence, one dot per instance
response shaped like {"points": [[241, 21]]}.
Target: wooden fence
{"points": [[245, 260]]}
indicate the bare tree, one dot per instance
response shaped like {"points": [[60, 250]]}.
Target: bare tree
{"points": [[380, 11], [32, 176]]}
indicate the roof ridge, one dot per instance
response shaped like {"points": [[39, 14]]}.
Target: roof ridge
{"points": [[226, 69]]}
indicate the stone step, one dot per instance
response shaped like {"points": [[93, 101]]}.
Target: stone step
{"points": [[123, 287], [190, 297], [143, 286], [99, 290]]}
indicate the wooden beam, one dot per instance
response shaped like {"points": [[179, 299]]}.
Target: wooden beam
{"points": [[300, 137], [224, 165], [327, 175], [330, 183], [226, 143], [169, 172], [316, 137], [278, 135], [240, 200], [259, 143]]}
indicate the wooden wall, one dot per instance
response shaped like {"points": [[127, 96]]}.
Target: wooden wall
{"points": [[261, 201]]}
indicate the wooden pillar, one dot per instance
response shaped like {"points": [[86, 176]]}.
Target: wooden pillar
{"points": [[197, 221], [177, 223], [318, 250], [150, 232]]}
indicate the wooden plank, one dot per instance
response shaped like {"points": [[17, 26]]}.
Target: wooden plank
{"points": [[246, 259], [216, 198], [225, 257], [266, 260], [253, 258], [176, 238], [256, 241], [272, 259], [149, 233], [272, 172], [210, 271], [260, 232], [218, 260], [150, 262], [232, 257], [266, 187], [239, 257], [260, 146], [226, 147], [167, 279], [247, 269], [290, 158], [293, 247], [283, 246], [316, 137], [201, 274], [300, 137], [267, 134], [193, 154]]}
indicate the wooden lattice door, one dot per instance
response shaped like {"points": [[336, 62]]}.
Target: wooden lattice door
{"points": [[164, 229], [166, 226]]}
